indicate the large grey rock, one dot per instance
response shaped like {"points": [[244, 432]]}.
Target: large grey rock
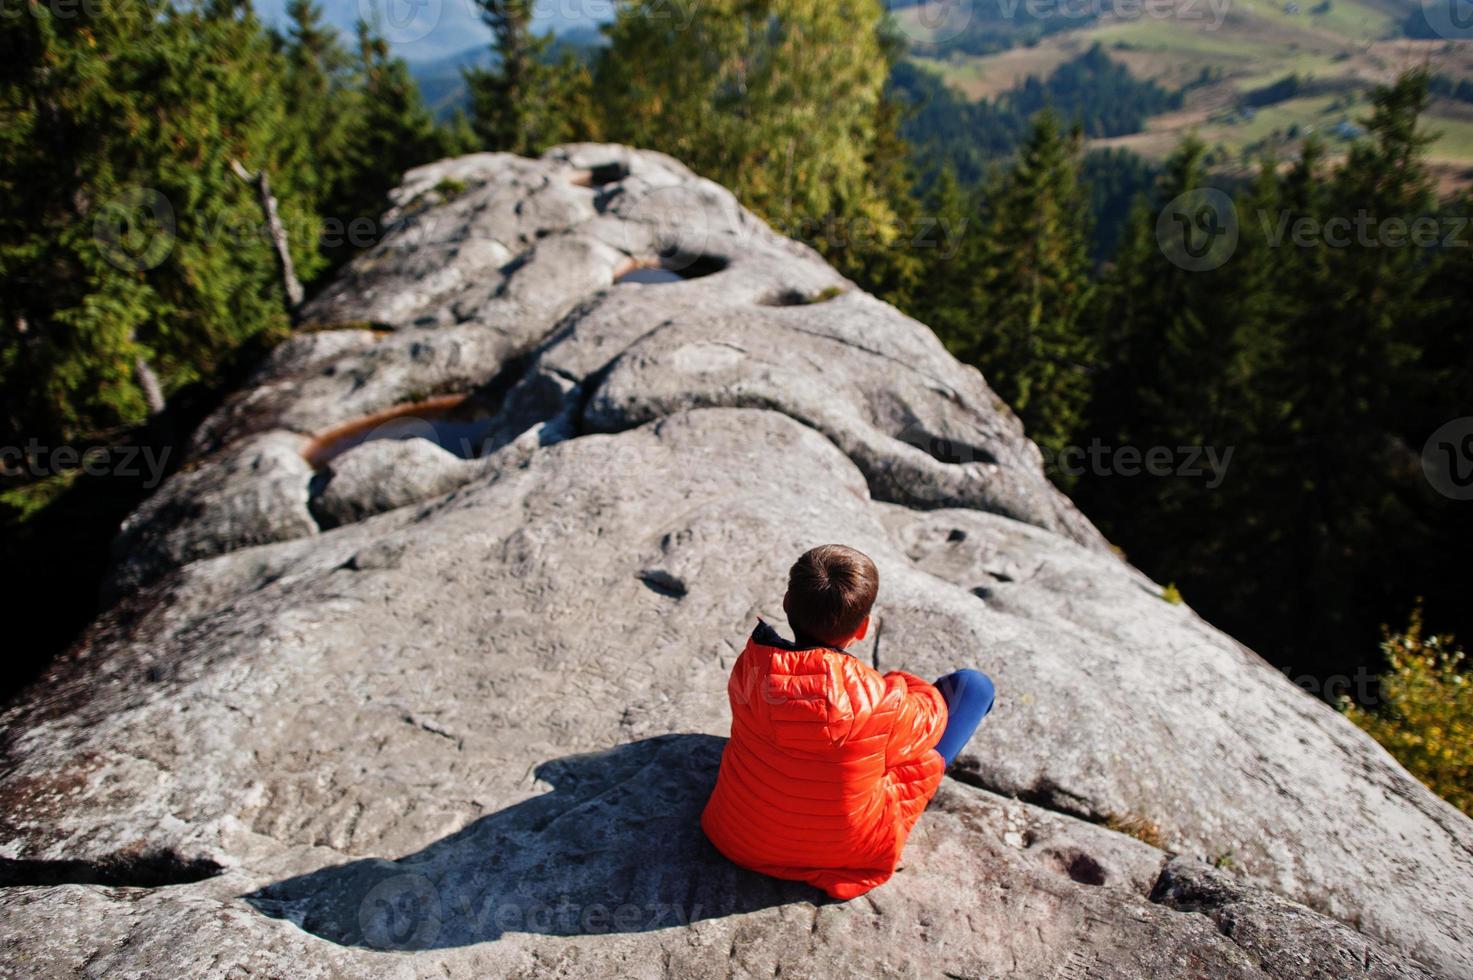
{"points": [[380, 734], [387, 474], [255, 491]]}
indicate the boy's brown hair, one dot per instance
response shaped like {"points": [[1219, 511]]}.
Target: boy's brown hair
{"points": [[830, 591]]}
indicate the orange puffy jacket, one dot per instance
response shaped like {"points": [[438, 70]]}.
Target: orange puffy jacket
{"points": [[828, 767]]}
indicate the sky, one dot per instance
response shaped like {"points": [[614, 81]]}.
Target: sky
{"points": [[424, 30]]}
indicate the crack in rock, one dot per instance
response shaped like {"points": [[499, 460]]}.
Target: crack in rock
{"points": [[150, 869]]}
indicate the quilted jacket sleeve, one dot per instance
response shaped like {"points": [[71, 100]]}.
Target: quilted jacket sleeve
{"points": [[919, 721]]}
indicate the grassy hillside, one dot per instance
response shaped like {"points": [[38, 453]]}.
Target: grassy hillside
{"points": [[1220, 53]]}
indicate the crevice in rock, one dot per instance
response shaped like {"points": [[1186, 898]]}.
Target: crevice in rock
{"points": [[591, 382], [152, 869], [378, 328], [797, 297], [601, 174], [1200, 898], [1044, 794], [662, 582], [668, 267], [953, 452], [875, 468], [940, 385]]}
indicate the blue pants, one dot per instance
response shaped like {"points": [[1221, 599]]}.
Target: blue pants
{"points": [[969, 695]]}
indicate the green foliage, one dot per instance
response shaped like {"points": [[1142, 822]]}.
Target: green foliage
{"points": [[392, 131], [364, 121], [1425, 717], [1115, 180], [128, 244], [783, 102], [776, 99], [1323, 364], [449, 188], [317, 81], [1012, 301], [24, 502], [149, 248], [1099, 94], [1285, 88], [985, 27], [1171, 594], [1035, 276], [1091, 89]]}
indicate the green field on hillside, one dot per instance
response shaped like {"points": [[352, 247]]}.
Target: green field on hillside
{"points": [[1340, 48]]}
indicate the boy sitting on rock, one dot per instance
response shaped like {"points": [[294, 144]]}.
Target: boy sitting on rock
{"points": [[830, 763]]}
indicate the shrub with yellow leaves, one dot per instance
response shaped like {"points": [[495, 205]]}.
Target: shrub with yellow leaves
{"points": [[1425, 715]]}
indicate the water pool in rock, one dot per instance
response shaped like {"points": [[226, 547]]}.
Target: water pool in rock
{"points": [[459, 424]]}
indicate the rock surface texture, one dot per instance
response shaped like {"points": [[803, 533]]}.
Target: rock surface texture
{"points": [[442, 692]]}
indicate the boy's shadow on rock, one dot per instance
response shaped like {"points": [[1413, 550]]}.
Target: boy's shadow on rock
{"points": [[615, 847]]}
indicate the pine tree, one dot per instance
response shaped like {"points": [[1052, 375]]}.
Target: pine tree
{"points": [[527, 101], [949, 295], [321, 97], [392, 132], [1034, 268], [1179, 346], [1175, 335], [1349, 370]]}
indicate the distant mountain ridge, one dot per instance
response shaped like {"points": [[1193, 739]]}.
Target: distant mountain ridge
{"points": [[434, 30], [441, 80]]}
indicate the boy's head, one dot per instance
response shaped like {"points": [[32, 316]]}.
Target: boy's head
{"points": [[830, 592]]}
